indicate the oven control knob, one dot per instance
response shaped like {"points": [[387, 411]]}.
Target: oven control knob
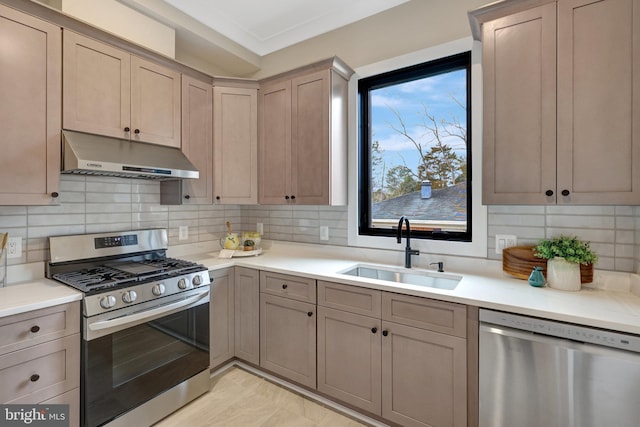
{"points": [[129, 296], [197, 280], [182, 283], [108, 301], [158, 289]]}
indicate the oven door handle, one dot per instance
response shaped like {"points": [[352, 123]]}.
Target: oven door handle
{"points": [[147, 314]]}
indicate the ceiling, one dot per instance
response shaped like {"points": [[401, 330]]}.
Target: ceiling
{"points": [[263, 26]]}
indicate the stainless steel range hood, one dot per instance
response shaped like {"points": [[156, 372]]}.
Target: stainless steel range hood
{"points": [[88, 154]]}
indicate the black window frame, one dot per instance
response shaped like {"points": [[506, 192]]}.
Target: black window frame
{"points": [[365, 85]]}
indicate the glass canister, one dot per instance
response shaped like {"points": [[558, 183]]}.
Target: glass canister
{"points": [[536, 278]]}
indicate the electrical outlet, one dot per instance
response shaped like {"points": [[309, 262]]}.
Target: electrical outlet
{"points": [[260, 228], [183, 232], [324, 232], [505, 241], [14, 247]]}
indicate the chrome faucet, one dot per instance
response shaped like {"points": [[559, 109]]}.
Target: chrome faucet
{"points": [[407, 250]]}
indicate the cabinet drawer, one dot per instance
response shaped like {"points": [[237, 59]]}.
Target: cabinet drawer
{"points": [[349, 298], [439, 316], [71, 398], [35, 327], [284, 285], [40, 372]]}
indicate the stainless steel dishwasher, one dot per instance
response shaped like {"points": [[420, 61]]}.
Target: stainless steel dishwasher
{"points": [[541, 373]]}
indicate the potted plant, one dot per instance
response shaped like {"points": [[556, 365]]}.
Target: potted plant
{"points": [[564, 256]]}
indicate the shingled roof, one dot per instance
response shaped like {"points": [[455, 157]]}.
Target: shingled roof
{"points": [[445, 204]]}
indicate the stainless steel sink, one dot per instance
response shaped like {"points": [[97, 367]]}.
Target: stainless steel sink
{"points": [[402, 275]]}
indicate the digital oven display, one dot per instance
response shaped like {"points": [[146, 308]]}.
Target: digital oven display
{"points": [[113, 241]]}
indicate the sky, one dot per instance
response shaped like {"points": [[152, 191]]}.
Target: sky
{"points": [[409, 100]]}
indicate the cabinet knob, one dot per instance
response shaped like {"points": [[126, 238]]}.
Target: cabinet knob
{"points": [[286, 197], [565, 192], [127, 129], [136, 131], [549, 193], [34, 378], [310, 313], [285, 286], [34, 329], [374, 330], [55, 194], [187, 196], [217, 197], [293, 197], [385, 333]]}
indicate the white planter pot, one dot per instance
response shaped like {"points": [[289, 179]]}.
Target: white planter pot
{"points": [[563, 275]]}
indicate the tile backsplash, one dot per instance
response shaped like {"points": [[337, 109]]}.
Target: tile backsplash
{"points": [[97, 204]]}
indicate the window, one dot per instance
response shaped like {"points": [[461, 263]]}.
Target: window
{"points": [[415, 150]]}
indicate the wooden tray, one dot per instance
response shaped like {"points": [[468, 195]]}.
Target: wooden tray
{"points": [[519, 262]]}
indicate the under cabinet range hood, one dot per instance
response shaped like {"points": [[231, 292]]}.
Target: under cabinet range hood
{"points": [[88, 154]]}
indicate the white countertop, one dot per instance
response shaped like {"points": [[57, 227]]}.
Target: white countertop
{"points": [[595, 305], [609, 303], [33, 295]]}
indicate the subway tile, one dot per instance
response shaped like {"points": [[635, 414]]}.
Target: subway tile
{"points": [[625, 210], [593, 235], [580, 210], [65, 208], [519, 220], [12, 221], [625, 236], [108, 227], [625, 223], [12, 210], [581, 221], [624, 251], [516, 209], [109, 218], [39, 220], [108, 198], [55, 230]]}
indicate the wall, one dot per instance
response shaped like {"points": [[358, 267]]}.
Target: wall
{"points": [[118, 19], [99, 204], [614, 231]]}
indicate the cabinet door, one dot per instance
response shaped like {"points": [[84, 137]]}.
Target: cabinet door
{"points": [[288, 338], [222, 315], [310, 138], [197, 139], [599, 101], [349, 358], [97, 87], [30, 75], [155, 103], [519, 143], [274, 149], [247, 315], [235, 145], [424, 377]]}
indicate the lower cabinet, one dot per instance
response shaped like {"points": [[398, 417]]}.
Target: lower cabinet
{"points": [[423, 377], [288, 338], [246, 316], [222, 317], [400, 357], [349, 358], [288, 326], [40, 358]]}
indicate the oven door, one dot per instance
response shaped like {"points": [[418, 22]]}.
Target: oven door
{"points": [[129, 364]]}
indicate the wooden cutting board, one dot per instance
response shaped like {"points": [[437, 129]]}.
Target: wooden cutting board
{"points": [[520, 260]]}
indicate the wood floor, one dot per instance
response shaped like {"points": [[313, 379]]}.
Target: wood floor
{"points": [[241, 399]]}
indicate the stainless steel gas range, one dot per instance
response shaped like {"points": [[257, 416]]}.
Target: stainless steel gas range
{"points": [[145, 324]]}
